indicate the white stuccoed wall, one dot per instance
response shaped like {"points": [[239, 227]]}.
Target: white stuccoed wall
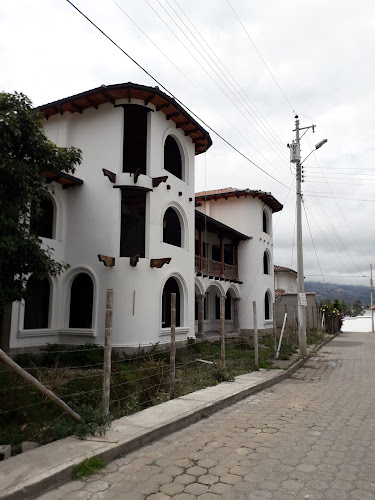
{"points": [[286, 281], [90, 218]]}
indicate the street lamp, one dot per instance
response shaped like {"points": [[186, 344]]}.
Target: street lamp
{"points": [[295, 157]]}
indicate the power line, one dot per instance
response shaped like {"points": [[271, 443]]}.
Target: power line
{"points": [[230, 77], [186, 78], [316, 253], [174, 97], [341, 198], [208, 73], [260, 55]]}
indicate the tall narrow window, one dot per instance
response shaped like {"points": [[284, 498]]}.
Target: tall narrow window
{"points": [[265, 222], [267, 306], [135, 138], [42, 224], [171, 228], [37, 303], [133, 223], [266, 263], [81, 302], [171, 286], [172, 157]]}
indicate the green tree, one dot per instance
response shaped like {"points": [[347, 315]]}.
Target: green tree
{"points": [[25, 153], [357, 309]]}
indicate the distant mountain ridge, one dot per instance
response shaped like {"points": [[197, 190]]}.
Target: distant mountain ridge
{"points": [[347, 293]]}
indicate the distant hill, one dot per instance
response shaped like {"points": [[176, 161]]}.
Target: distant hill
{"points": [[347, 293]]}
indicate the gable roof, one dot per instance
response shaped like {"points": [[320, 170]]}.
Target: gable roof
{"points": [[230, 192], [153, 95]]}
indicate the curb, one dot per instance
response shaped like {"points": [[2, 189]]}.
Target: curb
{"points": [[52, 478]]}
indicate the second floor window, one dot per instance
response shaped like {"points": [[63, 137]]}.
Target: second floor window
{"points": [[171, 228], [172, 157]]}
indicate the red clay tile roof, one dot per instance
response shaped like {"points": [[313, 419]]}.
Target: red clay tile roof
{"points": [[230, 192], [153, 95], [281, 269], [279, 292]]}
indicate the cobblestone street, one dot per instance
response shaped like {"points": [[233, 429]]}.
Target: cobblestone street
{"points": [[309, 437]]}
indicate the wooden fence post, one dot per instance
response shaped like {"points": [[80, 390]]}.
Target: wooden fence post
{"points": [[172, 360], [106, 390], [256, 353], [222, 329], [274, 328], [41, 388]]}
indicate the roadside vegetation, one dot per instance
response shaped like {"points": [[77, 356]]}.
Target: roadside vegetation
{"points": [[137, 382]]}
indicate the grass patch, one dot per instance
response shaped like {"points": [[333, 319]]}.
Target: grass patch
{"points": [[88, 467], [137, 382]]}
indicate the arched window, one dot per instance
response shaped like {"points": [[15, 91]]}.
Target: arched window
{"points": [[266, 263], [81, 302], [172, 157], [265, 222], [171, 228], [267, 305], [37, 303], [42, 224], [171, 286]]}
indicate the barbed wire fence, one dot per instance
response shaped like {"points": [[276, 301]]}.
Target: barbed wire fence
{"points": [[79, 376]]}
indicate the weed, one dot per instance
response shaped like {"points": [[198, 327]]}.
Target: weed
{"points": [[222, 374], [88, 467]]}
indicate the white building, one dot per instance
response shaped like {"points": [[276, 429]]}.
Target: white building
{"points": [[286, 298], [126, 222], [244, 245]]}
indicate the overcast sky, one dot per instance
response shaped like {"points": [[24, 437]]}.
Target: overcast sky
{"points": [[245, 68]]}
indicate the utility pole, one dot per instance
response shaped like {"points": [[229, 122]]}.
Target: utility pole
{"points": [[372, 301], [295, 157]]}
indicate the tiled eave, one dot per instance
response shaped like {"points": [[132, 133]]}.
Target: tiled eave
{"points": [[267, 198], [149, 95]]}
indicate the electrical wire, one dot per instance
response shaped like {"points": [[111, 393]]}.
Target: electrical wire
{"points": [[229, 77], [176, 99], [206, 71], [261, 57], [316, 253]]}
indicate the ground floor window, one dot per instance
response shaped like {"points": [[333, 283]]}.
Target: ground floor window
{"points": [[81, 302], [171, 286], [37, 303], [267, 306]]}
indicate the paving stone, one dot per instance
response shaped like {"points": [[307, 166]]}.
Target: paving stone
{"points": [[196, 489], [96, 486], [221, 488], [333, 494], [208, 479], [230, 479], [305, 438], [196, 471], [185, 479], [172, 488]]}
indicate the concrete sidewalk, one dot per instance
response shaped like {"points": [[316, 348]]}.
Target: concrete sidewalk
{"points": [[36, 471]]}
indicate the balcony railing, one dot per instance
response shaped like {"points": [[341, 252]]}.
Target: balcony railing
{"points": [[214, 268]]}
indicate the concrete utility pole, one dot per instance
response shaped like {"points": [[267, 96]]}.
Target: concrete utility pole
{"points": [[295, 157], [295, 153], [372, 301]]}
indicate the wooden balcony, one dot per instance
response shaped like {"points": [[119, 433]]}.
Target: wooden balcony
{"points": [[215, 268]]}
